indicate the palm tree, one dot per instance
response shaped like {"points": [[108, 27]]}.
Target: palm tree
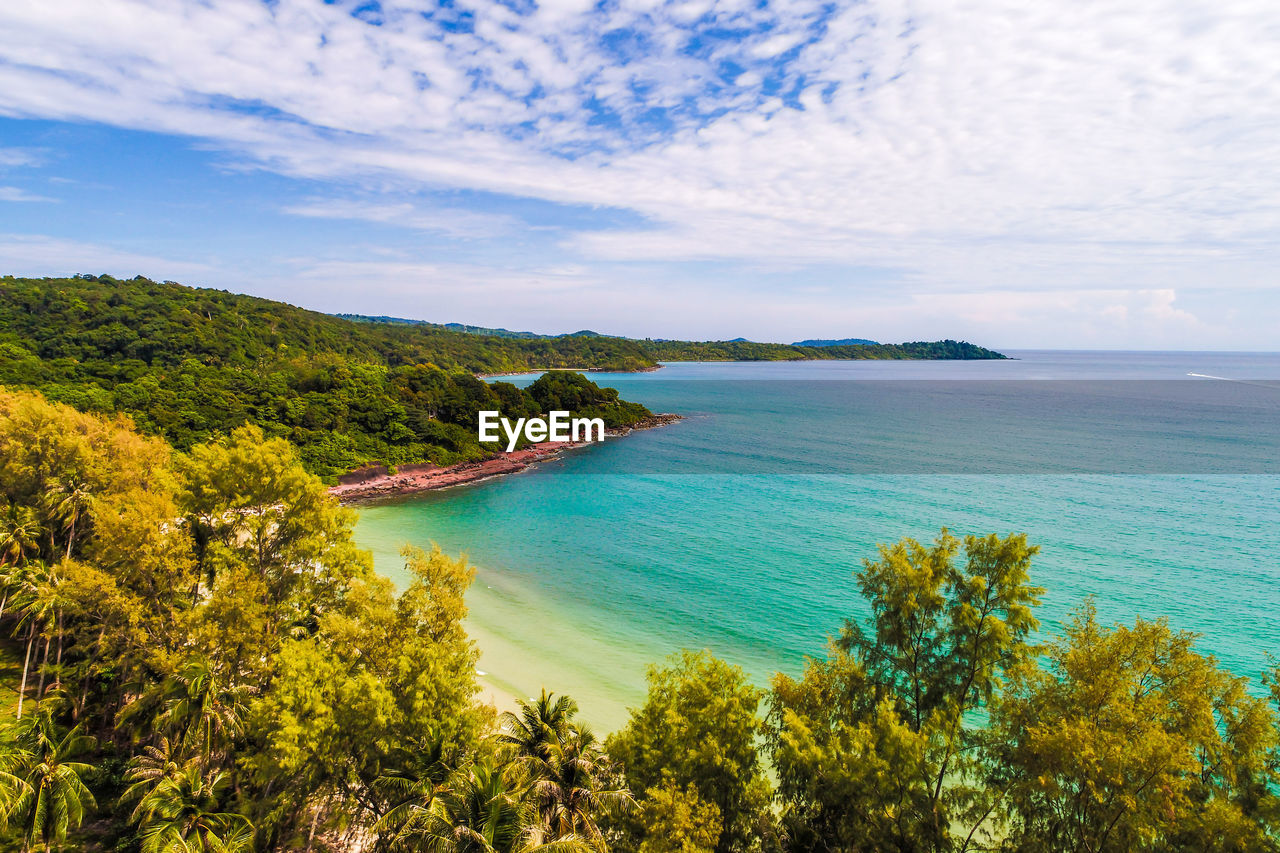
{"points": [[49, 797], [539, 727], [148, 769], [36, 599], [68, 502], [415, 772], [483, 809], [568, 790], [19, 535], [14, 578], [563, 760], [194, 706], [179, 814], [13, 759]]}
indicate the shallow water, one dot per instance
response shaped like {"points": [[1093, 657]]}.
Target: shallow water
{"points": [[1154, 498]]}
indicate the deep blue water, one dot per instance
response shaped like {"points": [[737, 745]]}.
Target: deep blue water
{"points": [[740, 528]]}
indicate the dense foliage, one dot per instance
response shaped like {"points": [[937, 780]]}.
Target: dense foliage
{"points": [[209, 664], [740, 349], [752, 351], [469, 329], [190, 364]]}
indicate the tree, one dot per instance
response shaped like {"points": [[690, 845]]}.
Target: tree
{"points": [[678, 821], [698, 728], [274, 548], [19, 535], [36, 601], [1131, 741], [97, 489], [571, 790], [540, 726], [68, 501], [180, 814], [196, 707], [380, 673], [871, 745], [45, 794], [570, 776], [484, 808]]}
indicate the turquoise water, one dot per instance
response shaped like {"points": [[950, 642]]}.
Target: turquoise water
{"points": [[740, 528]]}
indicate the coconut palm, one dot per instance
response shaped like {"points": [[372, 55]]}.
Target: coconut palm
{"points": [[483, 809], [13, 759], [539, 727], [68, 502], [569, 790], [19, 535], [563, 760], [180, 813], [415, 772], [195, 706], [35, 598], [14, 578], [49, 797], [149, 768]]}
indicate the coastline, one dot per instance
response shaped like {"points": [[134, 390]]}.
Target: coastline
{"points": [[540, 371], [376, 482]]}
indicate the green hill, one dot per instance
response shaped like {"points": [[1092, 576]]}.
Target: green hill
{"points": [[470, 330], [821, 342], [187, 363], [737, 349], [750, 351]]}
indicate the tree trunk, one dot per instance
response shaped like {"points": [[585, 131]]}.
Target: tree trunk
{"points": [[26, 665], [44, 666], [57, 664], [311, 836], [88, 667], [71, 534]]}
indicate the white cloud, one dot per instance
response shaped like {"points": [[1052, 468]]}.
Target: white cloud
{"points": [[11, 157], [543, 299], [38, 255], [977, 146], [19, 194], [452, 222]]}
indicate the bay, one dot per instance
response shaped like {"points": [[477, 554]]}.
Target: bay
{"points": [[739, 529]]}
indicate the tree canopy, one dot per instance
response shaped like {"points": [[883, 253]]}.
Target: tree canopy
{"points": [[208, 663], [190, 364]]}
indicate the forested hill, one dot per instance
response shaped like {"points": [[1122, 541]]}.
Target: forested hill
{"points": [[751, 351], [738, 349], [188, 364], [144, 321]]}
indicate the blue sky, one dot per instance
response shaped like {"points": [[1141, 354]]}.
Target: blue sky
{"points": [[1054, 174]]}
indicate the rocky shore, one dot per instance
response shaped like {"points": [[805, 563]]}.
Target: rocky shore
{"points": [[378, 481]]}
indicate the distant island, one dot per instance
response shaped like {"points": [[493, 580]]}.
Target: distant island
{"points": [[735, 349], [842, 342]]}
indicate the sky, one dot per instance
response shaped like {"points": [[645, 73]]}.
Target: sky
{"points": [[1049, 174]]}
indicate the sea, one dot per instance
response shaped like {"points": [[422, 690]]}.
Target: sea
{"points": [[1150, 482]]}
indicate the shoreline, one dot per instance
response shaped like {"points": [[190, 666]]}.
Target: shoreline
{"points": [[542, 370], [375, 483]]}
